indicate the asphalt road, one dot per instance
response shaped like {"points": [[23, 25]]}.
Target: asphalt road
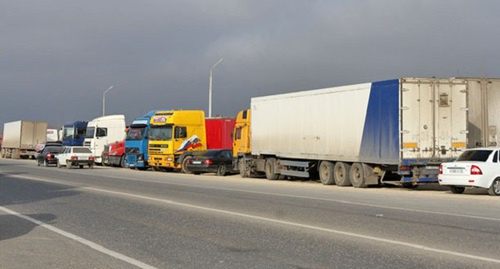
{"points": [[122, 218]]}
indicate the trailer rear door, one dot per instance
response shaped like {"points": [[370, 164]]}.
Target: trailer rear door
{"points": [[434, 118]]}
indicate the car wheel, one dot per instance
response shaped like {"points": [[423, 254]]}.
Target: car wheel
{"points": [[221, 170], [409, 185], [495, 187], [455, 189], [81, 166], [184, 168]]}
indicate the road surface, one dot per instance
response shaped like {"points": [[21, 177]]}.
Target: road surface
{"points": [[122, 218]]}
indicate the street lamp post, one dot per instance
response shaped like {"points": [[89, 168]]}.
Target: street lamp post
{"points": [[210, 88], [104, 100]]}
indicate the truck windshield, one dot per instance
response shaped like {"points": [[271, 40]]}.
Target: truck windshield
{"points": [[90, 132], [135, 133], [68, 132], [163, 132]]}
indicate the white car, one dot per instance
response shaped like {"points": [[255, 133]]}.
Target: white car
{"points": [[479, 167], [75, 156]]}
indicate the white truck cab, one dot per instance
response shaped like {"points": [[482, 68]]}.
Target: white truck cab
{"points": [[102, 131]]}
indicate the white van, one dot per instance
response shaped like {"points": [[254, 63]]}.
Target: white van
{"points": [[102, 131]]}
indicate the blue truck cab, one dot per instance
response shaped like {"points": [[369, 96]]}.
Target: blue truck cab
{"points": [[136, 142], [74, 133]]}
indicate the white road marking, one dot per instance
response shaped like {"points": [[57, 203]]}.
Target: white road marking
{"points": [[81, 240], [316, 199], [292, 224]]}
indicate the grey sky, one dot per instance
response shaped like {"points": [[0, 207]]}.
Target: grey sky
{"points": [[57, 57]]}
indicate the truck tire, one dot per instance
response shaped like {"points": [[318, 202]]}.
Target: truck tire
{"points": [[242, 165], [495, 187], [269, 167], [357, 176], [184, 168], [341, 174], [122, 162], [326, 173]]}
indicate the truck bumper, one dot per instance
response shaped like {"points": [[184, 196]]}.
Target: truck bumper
{"points": [[163, 161]]}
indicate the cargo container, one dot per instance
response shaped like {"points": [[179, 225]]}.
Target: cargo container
{"points": [[359, 135], [219, 132], [484, 109], [21, 137]]}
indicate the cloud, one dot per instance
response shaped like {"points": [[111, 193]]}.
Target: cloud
{"points": [[62, 55]]}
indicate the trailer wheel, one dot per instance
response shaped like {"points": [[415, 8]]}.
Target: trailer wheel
{"points": [[341, 174], [326, 173], [495, 187], [455, 189], [357, 175], [270, 174], [184, 168]]}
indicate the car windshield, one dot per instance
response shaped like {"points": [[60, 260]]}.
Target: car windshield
{"points": [[475, 155]]}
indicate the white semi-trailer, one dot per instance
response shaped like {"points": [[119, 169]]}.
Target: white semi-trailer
{"points": [[484, 112], [21, 137], [357, 134]]}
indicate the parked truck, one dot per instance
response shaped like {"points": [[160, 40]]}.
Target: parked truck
{"points": [[21, 137], [358, 135], [136, 142], [173, 137], [103, 131], [114, 154], [74, 133]]}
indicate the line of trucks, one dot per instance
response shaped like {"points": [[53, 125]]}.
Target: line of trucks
{"points": [[389, 131]]}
